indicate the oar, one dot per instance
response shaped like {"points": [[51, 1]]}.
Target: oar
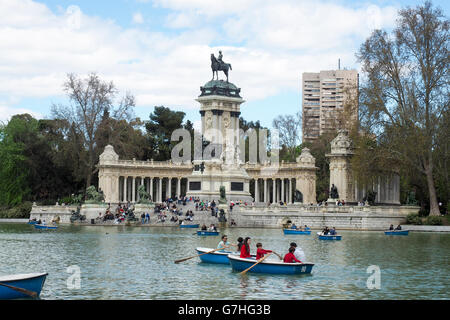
{"points": [[184, 259], [24, 291], [260, 260], [281, 258]]}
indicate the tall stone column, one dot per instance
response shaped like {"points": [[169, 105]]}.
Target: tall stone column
{"points": [[282, 190], [169, 187], [265, 190], [256, 190], [125, 182], [179, 187], [160, 190], [151, 189], [290, 191], [133, 188], [274, 200]]}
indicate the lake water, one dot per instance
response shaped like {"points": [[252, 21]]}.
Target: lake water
{"points": [[123, 262]]}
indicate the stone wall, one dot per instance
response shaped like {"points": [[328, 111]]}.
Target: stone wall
{"points": [[48, 213], [344, 217]]}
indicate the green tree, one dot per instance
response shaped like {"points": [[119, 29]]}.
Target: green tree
{"points": [[13, 169], [405, 94], [163, 122]]}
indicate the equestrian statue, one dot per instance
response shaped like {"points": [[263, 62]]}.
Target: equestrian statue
{"points": [[219, 65]]}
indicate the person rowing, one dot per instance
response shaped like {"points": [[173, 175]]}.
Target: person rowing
{"points": [[224, 244], [260, 252]]}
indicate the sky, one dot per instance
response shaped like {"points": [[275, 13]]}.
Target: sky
{"points": [[159, 50]]}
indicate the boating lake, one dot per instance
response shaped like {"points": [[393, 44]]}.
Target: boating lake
{"points": [[123, 262]]}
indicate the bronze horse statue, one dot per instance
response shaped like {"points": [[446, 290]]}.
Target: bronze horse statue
{"points": [[216, 66]]}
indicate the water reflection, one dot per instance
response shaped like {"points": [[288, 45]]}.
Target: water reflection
{"points": [[138, 263]]}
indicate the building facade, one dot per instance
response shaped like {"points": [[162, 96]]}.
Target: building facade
{"points": [[324, 95], [221, 164]]}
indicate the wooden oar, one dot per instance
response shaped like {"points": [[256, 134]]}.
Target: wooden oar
{"points": [[22, 290], [184, 259], [260, 260], [281, 258]]}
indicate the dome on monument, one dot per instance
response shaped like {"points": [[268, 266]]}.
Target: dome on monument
{"points": [[220, 88]]}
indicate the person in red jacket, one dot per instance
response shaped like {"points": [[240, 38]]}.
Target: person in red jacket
{"points": [[245, 249], [289, 257], [260, 252]]}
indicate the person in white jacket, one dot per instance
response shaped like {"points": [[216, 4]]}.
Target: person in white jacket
{"points": [[298, 253]]}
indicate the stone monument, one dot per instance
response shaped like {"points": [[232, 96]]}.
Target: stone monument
{"points": [[341, 178], [220, 164]]}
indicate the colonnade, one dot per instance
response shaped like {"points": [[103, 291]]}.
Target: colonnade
{"points": [[273, 190], [159, 188]]}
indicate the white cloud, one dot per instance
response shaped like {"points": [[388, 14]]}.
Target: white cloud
{"points": [[7, 112], [277, 42], [138, 18]]}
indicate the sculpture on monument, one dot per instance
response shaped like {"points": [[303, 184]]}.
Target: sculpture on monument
{"points": [[94, 197], [223, 199], [219, 65], [298, 196], [144, 196], [334, 192]]}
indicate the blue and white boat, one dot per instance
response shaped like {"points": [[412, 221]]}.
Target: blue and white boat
{"points": [[396, 232], [41, 226], [207, 233], [220, 257], [189, 225], [32, 222], [295, 231], [269, 266], [328, 236], [32, 282]]}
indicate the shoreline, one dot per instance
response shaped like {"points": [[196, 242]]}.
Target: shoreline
{"points": [[412, 228]]}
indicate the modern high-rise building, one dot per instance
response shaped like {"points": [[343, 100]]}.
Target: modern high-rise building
{"points": [[324, 96]]}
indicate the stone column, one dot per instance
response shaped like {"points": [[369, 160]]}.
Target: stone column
{"points": [[282, 190], [179, 188], [117, 198], [133, 190], [256, 190], [125, 183], [160, 190], [169, 187], [265, 190], [151, 189], [273, 191], [290, 190]]}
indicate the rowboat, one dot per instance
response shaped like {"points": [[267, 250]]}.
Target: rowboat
{"points": [[295, 231], [269, 266], [189, 225], [10, 286], [220, 257], [207, 233], [396, 232], [40, 226], [328, 236], [32, 222]]}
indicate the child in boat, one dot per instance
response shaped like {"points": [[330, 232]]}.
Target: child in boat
{"points": [[240, 243], [245, 249], [289, 257], [260, 252], [333, 231]]}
